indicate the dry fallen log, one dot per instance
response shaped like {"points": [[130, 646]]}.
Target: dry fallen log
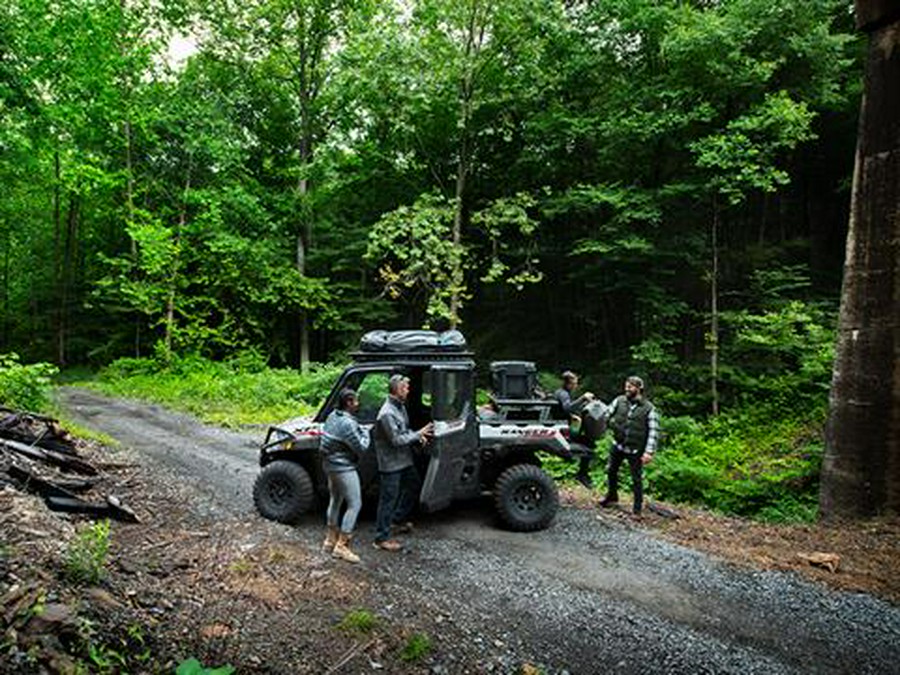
{"points": [[33, 429], [68, 462], [663, 511], [27, 438], [58, 498], [77, 485], [31, 482], [112, 508]]}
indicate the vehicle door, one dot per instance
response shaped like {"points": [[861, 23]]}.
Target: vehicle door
{"points": [[455, 433]]}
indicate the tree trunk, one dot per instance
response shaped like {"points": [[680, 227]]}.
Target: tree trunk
{"points": [[171, 297], [129, 182], [128, 134], [474, 42], [4, 297], [66, 278], [714, 311], [129, 206], [304, 319], [861, 470], [304, 235], [303, 242], [457, 277], [58, 265], [462, 170]]}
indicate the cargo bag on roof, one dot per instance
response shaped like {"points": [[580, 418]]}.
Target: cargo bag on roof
{"points": [[412, 341]]}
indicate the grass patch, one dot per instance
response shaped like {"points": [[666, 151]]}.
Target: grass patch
{"points": [[194, 667], [85, 558], [241, 566], [749, 463], [416, 648], [359, 621], [232, 393], [25, 386], [80, 431]]}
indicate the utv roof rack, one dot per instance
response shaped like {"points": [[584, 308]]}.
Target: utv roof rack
{"points": [[415, 357]]}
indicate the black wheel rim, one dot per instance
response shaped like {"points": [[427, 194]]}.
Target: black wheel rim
{"points": [[278, 491], [527, 498]]}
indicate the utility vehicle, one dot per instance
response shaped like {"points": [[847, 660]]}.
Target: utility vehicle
{"points": [[474, 451]]}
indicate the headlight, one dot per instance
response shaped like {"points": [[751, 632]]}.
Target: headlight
{"points": [[278, 436]]}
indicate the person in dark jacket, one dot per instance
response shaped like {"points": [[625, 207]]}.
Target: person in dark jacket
{"points": [[343, 441], [571, 409], [394, 447], [635, 426]]}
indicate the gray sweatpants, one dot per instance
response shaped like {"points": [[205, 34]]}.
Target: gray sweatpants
{"points": [[344, 487]]}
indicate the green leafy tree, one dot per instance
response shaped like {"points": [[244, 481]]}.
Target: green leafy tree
{"points": [[78, 67], [419, 254], [205, 268], [291, 44], [672, 115], [741, 159], [459, 69]]}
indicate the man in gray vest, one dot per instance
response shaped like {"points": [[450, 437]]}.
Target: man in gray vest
{"points": [[635, 426]]}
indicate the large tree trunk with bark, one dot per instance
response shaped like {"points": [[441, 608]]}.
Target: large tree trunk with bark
{"points": [[861, 472]]}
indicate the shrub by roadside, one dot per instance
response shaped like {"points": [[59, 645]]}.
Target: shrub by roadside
{"points": [[745, 463], [25, 386], [231, 393]]}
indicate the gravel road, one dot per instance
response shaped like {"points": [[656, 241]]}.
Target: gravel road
{"points": [[588, 595]]}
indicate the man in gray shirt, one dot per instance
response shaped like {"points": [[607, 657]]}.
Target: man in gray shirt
{"points": [[570, 408], [394, 444]]}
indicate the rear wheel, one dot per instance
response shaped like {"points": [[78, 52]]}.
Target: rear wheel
{"points": [[283, 491], [526, 498]]}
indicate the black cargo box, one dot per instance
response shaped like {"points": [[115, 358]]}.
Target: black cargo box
{"points": [[513, 379]]}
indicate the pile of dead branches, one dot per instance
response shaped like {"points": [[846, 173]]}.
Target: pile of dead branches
{"points": [[37, 455]]}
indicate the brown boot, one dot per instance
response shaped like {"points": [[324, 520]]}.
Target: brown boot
{"points": [[342, 549], [391, 545], [331, 538]]}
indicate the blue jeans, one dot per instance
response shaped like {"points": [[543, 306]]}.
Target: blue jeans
{"points": [[396, 499], [344, 487]]}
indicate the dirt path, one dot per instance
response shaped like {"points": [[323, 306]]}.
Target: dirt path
{"points": [[591, 594]]}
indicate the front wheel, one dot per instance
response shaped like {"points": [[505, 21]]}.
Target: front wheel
{"points": [[526, 498], [283, 491]]}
